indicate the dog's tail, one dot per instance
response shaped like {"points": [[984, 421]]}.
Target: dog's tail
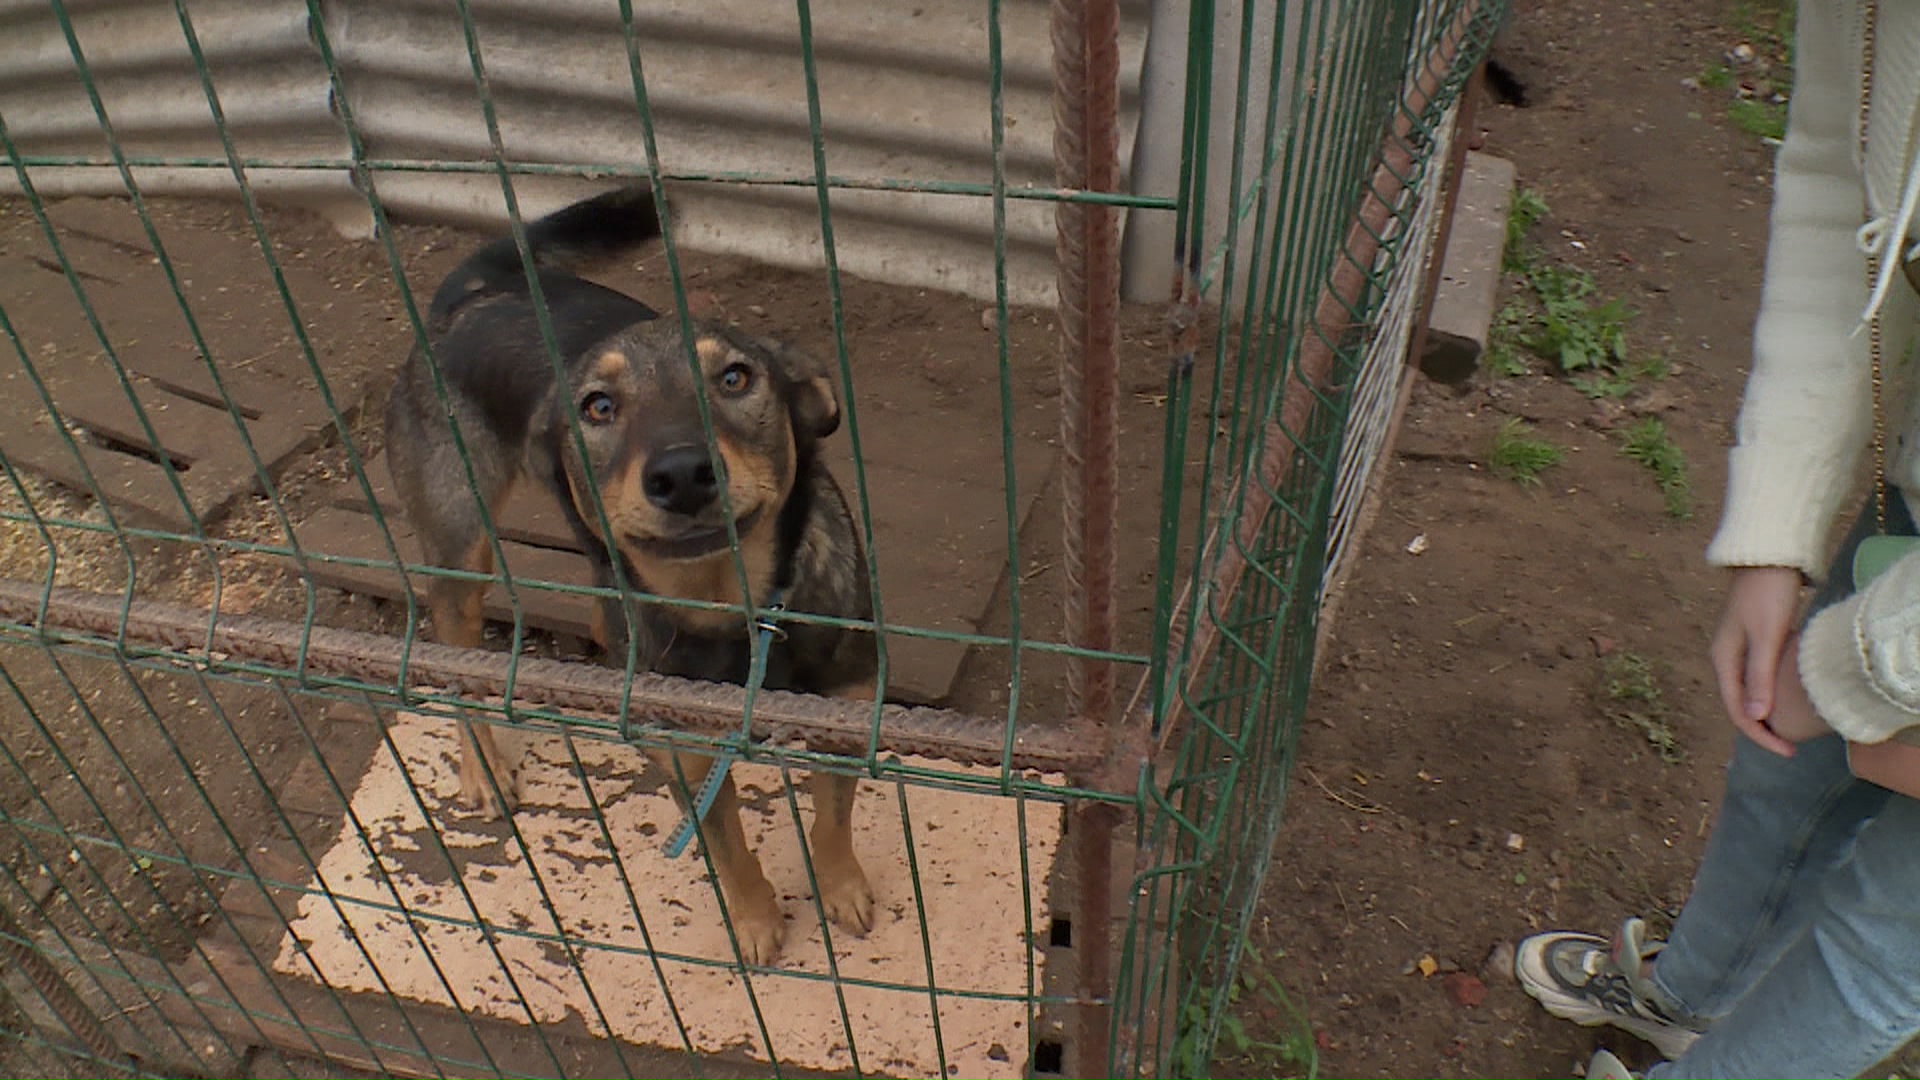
{"points": [[566, 239]]}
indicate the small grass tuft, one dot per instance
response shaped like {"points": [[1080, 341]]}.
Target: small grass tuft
{"points": [[1616, 383], [1518, 454], [1634, 700], [1761, 119], [1506, 340], [1553, 315], [1524, 211], [1648, 443]]}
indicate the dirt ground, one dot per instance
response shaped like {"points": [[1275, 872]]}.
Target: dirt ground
{"points": [[1468, 771]]}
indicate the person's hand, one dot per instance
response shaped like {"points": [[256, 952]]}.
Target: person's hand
{"points": [[1892, 764], [1793, 716], [1747, 648]]}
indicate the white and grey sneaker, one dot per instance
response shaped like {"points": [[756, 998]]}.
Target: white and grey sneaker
{"points": [[1591, 981]]}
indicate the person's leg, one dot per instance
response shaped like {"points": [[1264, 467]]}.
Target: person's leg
{"points": [[1783, 823], [1846, 992]]}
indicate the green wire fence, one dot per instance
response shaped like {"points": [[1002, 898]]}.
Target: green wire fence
{"points": [[227, 836]]}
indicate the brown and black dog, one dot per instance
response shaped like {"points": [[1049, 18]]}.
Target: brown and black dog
{"points": [[628, 384]]}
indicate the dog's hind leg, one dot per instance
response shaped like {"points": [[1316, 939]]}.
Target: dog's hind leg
{"points": [[845, 895], [459, 620]]}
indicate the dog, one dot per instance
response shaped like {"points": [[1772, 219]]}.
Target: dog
{"points": [[627, 382]]}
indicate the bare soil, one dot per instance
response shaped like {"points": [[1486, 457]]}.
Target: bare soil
{"points": [[1466, 774]]}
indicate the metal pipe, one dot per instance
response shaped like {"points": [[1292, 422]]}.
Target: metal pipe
{"points": [[681, 705]]}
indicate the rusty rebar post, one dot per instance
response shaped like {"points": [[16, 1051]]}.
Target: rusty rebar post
{"points": [[1086, 153], [323, 654], [18, 954]]}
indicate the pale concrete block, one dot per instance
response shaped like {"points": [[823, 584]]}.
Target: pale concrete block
{"points": [[1463, 304]]}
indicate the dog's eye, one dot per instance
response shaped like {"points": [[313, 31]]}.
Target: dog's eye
{"points": [[597, 407], [736, 379]]}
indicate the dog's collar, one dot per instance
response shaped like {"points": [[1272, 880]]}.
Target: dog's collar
{"points": [[769, 628]]}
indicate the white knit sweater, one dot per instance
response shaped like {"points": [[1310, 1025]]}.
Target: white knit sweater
{"points": [[1807, 415]]}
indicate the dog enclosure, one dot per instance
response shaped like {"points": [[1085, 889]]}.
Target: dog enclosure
{"points": [[1117, 297]]}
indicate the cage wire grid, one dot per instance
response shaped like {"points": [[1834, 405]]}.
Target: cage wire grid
{"points": [[134, 908]]}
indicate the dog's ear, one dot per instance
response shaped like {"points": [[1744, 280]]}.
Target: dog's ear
{"points": [[813, 397]]}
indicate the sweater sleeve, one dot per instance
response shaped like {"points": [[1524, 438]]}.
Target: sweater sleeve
{"points": [[1808, 403], [1860, 658]]}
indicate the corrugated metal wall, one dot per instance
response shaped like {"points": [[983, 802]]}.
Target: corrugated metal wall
{"points": [[904, 95]]}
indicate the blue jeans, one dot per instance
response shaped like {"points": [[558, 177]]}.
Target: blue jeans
{"points": [[1799, 948]]}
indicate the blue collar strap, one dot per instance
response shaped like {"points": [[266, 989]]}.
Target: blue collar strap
{"points": [[768, 631]]}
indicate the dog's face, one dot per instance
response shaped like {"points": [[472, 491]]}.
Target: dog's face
{"points": [[638, 410]]}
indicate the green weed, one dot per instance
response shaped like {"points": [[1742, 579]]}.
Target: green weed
{"points": [[1716, 77], [1293, 1054], [1572, 332], [1767, 27], [1616, 383], [1518, 454], [1761, 119], [1555, 316], [1523, 212], [1506, 343], [1634, 699], [1648, 443]]}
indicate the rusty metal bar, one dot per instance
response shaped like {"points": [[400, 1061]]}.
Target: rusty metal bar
{"points": [[1086, 151], [17, 953], [1086, 155], [683, 705], [1342, 295]]}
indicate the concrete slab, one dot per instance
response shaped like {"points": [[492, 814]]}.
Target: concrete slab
{"points": [[967, 849], [1463, 305]]}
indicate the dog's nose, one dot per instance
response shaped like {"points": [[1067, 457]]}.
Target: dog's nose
{"points": [[680, 480]]}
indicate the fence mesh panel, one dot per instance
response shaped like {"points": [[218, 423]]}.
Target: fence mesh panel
{"points": [[230, 826]]}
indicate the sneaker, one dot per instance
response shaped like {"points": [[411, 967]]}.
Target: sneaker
{"points": [[1605, 1066], [1587, 980]]}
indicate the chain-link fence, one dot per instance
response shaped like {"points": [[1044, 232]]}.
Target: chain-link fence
{"points": [[262, 716]]}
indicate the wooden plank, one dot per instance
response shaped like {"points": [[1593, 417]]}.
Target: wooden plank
{"points": [[258, 384], [333, 531], [940, 544], [201, 440], [533, 516], [240, 317], [136, 487]]}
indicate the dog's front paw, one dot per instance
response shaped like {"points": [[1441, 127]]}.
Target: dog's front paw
{"points": [[846, 897], [759, 931]]}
